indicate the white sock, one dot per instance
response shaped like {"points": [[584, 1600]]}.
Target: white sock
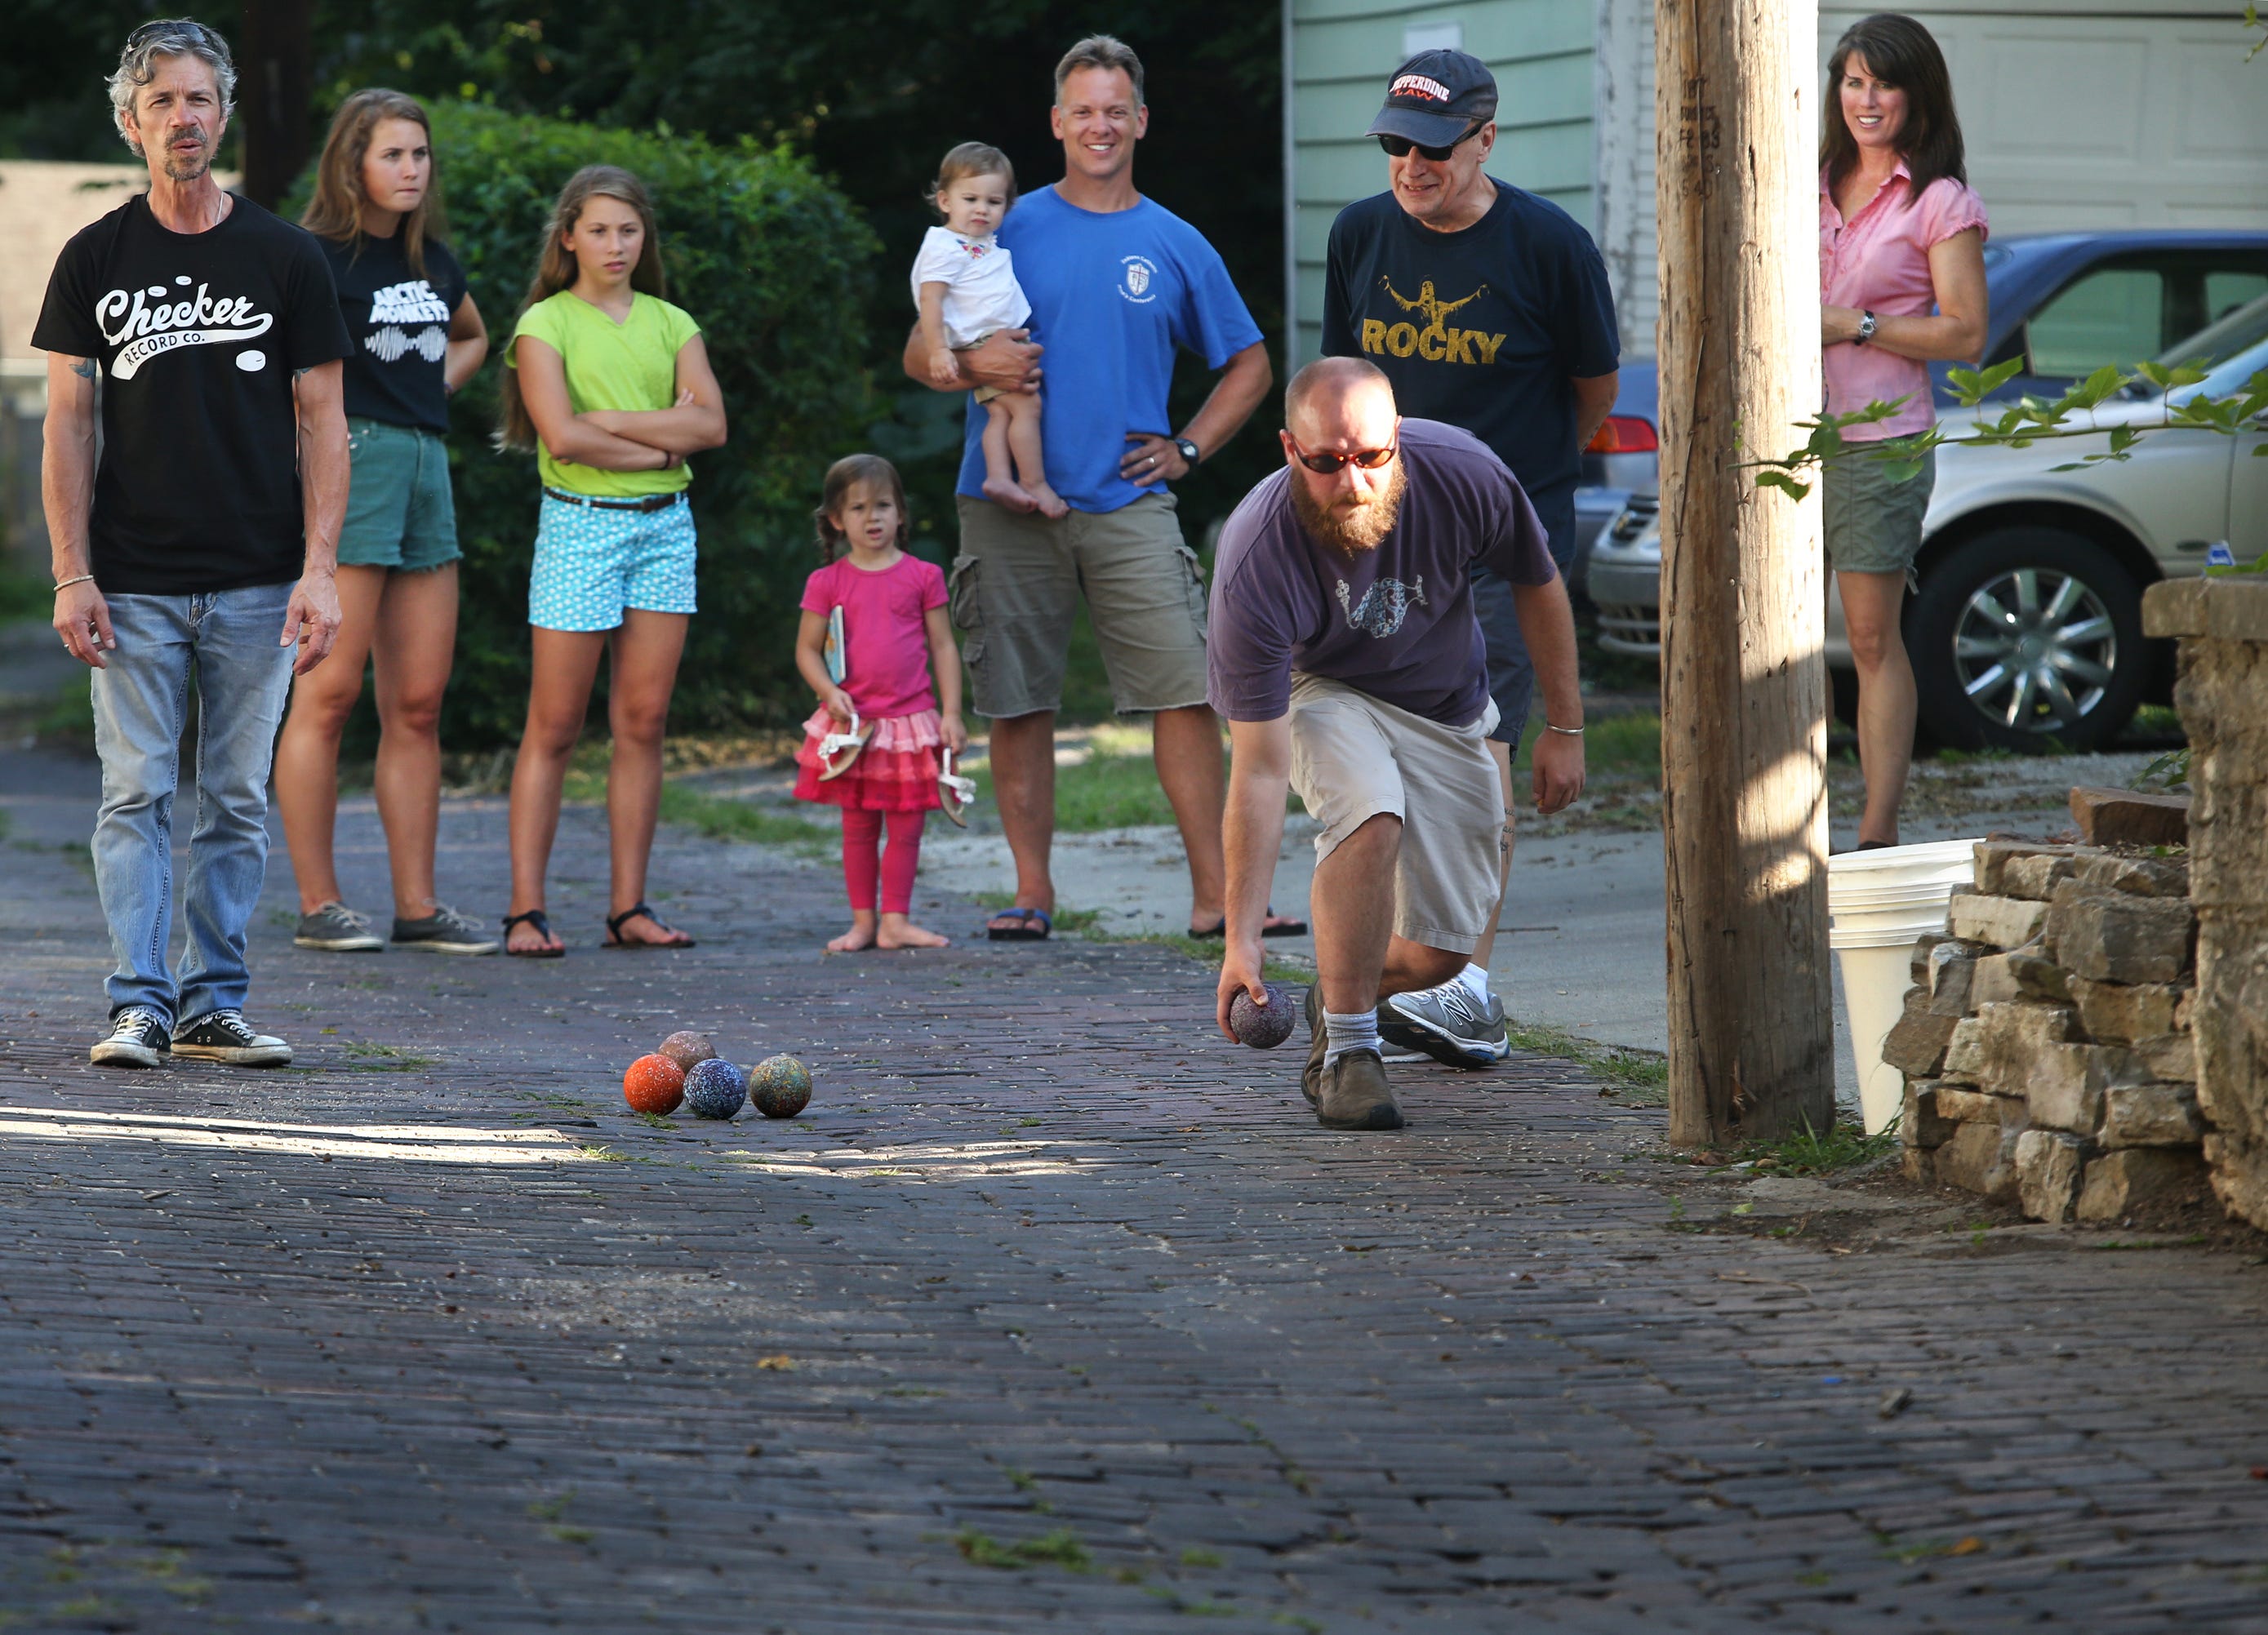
{"points": [[1342, 1033], [1475, 978]]}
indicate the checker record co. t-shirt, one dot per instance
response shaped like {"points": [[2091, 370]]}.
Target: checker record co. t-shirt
{"points": [[1396, 622], [1113, 294], [1482, 329], [198, 336], [399, 320]]}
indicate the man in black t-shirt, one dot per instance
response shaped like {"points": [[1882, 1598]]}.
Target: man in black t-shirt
{"points": [[1488, 308], [205, 535]]}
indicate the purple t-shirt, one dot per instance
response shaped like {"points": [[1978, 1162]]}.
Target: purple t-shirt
{"points": [[1397, 623]]}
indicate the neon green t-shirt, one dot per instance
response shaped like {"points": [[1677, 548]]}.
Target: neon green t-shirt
{"points": [[632, 365]]}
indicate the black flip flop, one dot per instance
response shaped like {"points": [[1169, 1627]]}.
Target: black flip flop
{"points": [[542, 923], [615, 922], [1022, 931], [1290, 928]]}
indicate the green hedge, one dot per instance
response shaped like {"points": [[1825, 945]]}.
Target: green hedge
{"points": [[772, 261]]}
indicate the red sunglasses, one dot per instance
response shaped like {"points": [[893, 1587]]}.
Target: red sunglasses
{"points": [[1330, 464]]}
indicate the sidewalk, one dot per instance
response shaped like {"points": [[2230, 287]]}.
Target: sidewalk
{"points": [[1055, 1311]]}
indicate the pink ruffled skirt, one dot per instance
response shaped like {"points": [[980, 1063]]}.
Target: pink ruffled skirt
{"points": [[896, 772]]}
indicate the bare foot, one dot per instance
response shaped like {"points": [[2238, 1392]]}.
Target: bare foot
{"points": [[1003, 493], [861, 934], [1050, 503], [898, 932]]}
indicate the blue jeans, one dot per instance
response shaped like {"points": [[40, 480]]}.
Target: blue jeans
{"points": [[244, 676]]}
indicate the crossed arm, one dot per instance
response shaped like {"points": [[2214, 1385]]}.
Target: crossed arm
{"points": [[622, 440], [1955, 332]]}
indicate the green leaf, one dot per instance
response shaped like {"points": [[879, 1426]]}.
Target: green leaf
{"points": [[1769, 478], [2098, 385]]}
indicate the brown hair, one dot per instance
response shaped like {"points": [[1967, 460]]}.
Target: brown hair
{"points": [[856, 471], [555, 270], [971, 158], [1899, 52], [1100, 51], [336, 210]]}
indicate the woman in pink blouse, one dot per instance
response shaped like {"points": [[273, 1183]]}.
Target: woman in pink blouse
{"points": [[1900, 234]]}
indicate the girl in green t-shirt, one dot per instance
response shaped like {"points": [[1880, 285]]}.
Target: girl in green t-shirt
{"points": [[611, 385]]}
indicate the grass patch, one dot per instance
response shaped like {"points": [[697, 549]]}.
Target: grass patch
{"points": [[1628, 745], [2190, 1241], [1634, 1075], [1808, 1151], [1060, 1549], [70, 718], [24, 596], [1115, 786], [386, 1059], [720, 819]]}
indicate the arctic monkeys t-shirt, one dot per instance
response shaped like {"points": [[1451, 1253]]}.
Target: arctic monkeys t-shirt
{"points": [[198, 336], [400, 322]]}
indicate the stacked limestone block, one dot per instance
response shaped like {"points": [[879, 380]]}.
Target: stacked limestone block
{"points": [[2046, 1041]]}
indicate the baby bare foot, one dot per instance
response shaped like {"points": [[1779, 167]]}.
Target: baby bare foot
{"points": [[898, 932], [861, 934], [1000, 491], [1050, 504]]}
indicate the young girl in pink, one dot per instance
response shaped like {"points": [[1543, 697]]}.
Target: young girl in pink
{"points": [[871, 746]]}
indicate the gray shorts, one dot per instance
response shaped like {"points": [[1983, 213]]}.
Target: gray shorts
{"points": [[1353, 757], [1873, 522], [1015, 589]]}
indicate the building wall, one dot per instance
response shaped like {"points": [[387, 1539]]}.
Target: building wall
{"points": [[1339, 54]]}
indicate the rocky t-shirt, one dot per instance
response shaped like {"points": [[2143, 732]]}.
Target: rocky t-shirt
{"points": [[1396, 622], [198, 336], [399, 321]]}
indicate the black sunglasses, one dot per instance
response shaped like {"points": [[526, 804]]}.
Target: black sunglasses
{"points": [[1330, 464], [1399, 147]]}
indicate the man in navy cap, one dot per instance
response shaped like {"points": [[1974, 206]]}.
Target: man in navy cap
{"points": [[1487, 308]]}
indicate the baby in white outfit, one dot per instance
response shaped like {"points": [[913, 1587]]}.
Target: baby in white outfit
{"points": [[965, 289]]}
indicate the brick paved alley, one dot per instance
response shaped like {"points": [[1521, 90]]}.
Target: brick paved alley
{"points": [[1054, 1311]]}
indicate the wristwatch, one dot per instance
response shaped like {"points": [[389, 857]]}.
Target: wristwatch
{"points": [[1866, 329], [1189, 451]]}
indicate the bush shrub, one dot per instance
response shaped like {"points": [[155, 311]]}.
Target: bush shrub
{"points": [[772, 261]]}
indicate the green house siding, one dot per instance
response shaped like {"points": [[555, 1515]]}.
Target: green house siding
{"points": [[1338, 56]]}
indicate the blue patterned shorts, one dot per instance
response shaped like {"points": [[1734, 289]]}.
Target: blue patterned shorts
{"points": [[592, 563]]}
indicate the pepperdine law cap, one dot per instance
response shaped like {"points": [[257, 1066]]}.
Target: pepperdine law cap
{"points": [[1435, 97]]}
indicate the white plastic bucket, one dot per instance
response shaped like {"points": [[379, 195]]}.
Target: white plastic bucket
{"points": [[1879, 903]]}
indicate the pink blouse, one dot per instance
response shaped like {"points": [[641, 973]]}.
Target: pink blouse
{"points": [[1878, 261]]}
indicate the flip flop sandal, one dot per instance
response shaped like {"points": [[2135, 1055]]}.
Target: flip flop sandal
{"points": [[1021, 932], [614, 924], [838, 752], [542, 923], [1288, 928], [955, 792]]}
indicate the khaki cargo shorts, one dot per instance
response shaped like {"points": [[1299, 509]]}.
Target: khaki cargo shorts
{"points": [[1016, 585], [1353, 757]]}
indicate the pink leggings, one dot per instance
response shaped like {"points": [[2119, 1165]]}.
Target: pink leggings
{"points": [[862, 837]]}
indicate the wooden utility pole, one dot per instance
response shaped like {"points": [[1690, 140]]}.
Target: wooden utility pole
{"points": [[1743, 687], [274, 63]]}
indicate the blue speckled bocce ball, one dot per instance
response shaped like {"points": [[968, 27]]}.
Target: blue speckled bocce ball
{"points": [[714, 1089]]}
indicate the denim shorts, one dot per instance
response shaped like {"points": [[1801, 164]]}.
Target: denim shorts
{"points": [[593, 562], [400, 511]]}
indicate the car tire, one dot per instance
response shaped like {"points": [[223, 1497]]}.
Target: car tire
{"points": [[2028, 639]]}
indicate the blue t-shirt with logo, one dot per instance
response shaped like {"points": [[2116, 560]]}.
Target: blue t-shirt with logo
{"points": [[1112, 296]]}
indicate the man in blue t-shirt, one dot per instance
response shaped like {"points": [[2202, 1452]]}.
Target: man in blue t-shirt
{"points": [[1488, 308], [1118, 283]]}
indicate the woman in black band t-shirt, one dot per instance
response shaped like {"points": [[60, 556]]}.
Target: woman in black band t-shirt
{"points": [[417, 337]]}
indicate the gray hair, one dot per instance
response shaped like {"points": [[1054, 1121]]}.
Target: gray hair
{"points": [[168, 37], [1105, 51]]}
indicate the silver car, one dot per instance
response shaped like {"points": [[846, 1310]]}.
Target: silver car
{"points": [[2026, 632]]}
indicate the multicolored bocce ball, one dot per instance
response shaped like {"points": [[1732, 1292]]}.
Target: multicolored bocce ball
{"points": [[654, 1084], [716, 1088], [780, 1087], [688, 1047], [1263, 1027]]}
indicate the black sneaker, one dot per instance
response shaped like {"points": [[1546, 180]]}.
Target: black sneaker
{"points": [[443, 931], [224, 1036], [138, 1038], [336, 928]]}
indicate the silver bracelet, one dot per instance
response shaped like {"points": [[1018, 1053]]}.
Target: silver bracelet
{"points": [[1571, 731], [65, 585]]}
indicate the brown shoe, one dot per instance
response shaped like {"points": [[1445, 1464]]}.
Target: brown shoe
{"points": [[1355, 1094], [1311, 1077]]}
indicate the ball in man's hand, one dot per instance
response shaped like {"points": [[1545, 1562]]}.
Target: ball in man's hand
{"points": [[1263, 1027]]}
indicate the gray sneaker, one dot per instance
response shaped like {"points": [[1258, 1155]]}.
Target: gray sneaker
{"points": [[1446, 1024], [1355, 1094], [445, 931], [225, 1037], [337, 929]]}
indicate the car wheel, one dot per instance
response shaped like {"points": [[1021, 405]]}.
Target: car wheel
{"points": [[2028, 639]]}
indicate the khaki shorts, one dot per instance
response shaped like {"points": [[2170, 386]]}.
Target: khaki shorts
{"points": [[1872, 521], [1353, 757], [1015, 588]]}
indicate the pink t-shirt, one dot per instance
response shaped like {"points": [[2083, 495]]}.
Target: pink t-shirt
{"points": [[884, 642], [1879, 262]]}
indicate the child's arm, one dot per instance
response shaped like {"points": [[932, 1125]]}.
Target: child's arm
{"points": [[944, 367], [945, 660], [694, 422], [567, 435], [811, 659]]}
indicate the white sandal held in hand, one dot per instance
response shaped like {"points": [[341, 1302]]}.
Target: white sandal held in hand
{"points": [[847, 745], [956, 793]]}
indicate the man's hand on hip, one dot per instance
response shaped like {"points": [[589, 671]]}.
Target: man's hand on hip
{"points": [[1152, 459], [1558, 780], [311, 619], [1240, 970], [84, 619]]}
